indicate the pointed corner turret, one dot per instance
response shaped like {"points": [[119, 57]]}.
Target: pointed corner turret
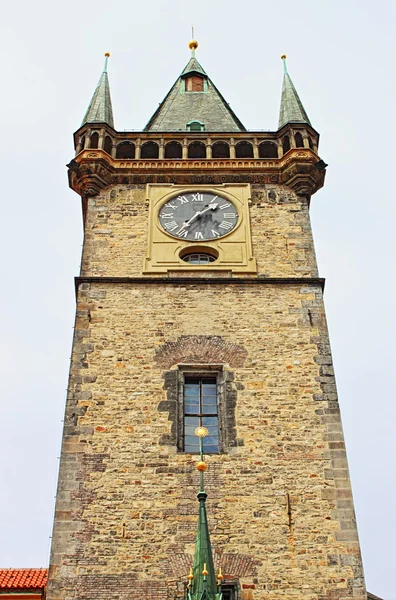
{"points": [[291, 108], [194, 99], [100, 109]]}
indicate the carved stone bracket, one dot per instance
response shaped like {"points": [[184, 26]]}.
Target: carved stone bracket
{"points": [[92, 171], [89, 178]]}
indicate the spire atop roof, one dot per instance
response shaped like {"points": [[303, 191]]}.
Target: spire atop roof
{"points": [[100, 109], [291, 109], [202, 577], [194, 98]]}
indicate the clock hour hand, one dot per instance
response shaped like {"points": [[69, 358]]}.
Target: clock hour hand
{"points": [[197, 214]]}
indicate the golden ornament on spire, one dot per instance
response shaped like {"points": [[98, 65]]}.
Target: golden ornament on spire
{"points": [[107, 54], [283, 56], [205, 571], [201, 431], [193, 44], [201, 466], [191, 575]]}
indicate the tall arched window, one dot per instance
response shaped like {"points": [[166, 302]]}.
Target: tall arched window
{"points": [[197, 150], [268, 150], [244, 150], [310, 143], [82, 143], [220, 150], [173, 150], [298, 138], [125, 150], [94, 140], [286, 144], [108, 144], [150, 150]]}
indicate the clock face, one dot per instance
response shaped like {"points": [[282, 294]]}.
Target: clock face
{"points": [[198, 216]]}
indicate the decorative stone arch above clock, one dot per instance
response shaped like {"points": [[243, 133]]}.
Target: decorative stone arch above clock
{"points": [[229, 242]]}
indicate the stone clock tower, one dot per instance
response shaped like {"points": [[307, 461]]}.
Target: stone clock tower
{"points": [[200, 308]]}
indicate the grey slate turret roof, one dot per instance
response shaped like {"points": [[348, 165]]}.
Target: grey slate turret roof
{"points": [[180, 107], [291, 109], [100, 109]]}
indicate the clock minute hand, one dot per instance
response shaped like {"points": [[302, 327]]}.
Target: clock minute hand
{"points": [[198, 214]]}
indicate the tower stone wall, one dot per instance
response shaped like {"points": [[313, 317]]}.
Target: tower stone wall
{"points": [[117, 224], [280, 504]]}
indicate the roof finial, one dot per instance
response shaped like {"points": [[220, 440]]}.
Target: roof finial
{"points": [[193, 44], [283, 57], [107, 54]]}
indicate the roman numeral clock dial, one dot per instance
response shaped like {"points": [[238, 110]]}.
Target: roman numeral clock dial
{"points": [[198, 216]]}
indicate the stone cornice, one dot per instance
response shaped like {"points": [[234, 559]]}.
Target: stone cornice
{"points": [[203, 280], [93, 170]]}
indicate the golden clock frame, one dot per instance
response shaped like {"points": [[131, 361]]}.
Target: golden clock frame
{"points": [[234, 250]]}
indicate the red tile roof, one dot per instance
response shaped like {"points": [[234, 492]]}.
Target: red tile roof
{"points": [[23, 579]]}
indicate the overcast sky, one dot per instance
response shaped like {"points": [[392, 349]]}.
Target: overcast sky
{"points": [[340, 56]]}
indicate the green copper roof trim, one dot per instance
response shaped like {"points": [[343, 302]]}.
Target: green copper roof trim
{"points": [[100, 109], [291, 109]]}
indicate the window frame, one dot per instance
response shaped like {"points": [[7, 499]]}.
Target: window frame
{"points": [[201, 371], [232, 588]]}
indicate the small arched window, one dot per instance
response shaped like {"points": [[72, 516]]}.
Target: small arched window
{"points": [[150, 150], [94, 140], [173, 150], [108, 144], [244, 150], [125, 150], [220, 150], [197, 150], [310, 143], [195, 126], [268, 150], [194, 83], [298, 138], [286, 144], [82, 143]]}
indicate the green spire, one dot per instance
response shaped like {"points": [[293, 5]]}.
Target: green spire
{"points": [[203, 583], [100, 109], [291, 109]]}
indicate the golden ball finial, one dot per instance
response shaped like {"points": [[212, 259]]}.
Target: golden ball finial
{"points": [[193, 44], [201, 466], [283, 57], [107, 54], [201, 431], [191, 575], [204, 570]]}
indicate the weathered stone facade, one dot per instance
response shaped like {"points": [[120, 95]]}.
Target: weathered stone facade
{"points": [[280, 505]]}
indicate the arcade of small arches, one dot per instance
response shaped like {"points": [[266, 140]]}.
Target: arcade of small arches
{"points": [[196, 149]]}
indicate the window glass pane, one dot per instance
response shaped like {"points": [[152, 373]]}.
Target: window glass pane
{"points": [[207, 421], [200, 399], [192, 380], [209, 410], [192, 421], [211, 449]]}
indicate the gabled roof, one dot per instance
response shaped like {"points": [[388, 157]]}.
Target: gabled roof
{"points": [[23, 578], [291, 109], [180, 107], [100, 109]]}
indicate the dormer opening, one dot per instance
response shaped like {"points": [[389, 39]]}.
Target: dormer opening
{"points": [[195, 126], [194, 83]]}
